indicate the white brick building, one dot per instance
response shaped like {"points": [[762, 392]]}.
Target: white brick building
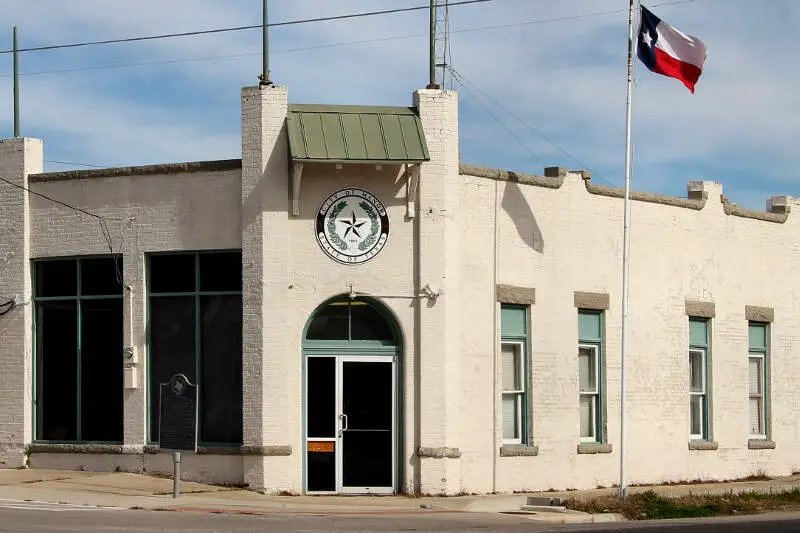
{"points": [[466, 339]]}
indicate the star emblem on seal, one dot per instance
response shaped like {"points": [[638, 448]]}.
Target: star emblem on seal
{"points": [[352, 226]]}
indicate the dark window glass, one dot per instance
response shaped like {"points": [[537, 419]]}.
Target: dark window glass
{"points": [[57, 278], [99, 276], [368, 324], [57, 370], [172, 273], [349, 321], [330, 324], [367, 443], [321, 397], [101, 370], [221, 271], [172, 347], [367, 459], [221, 369], [321, 471], [367, 396]]}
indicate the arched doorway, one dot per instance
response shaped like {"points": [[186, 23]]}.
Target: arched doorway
{"points": [[351, 348]]}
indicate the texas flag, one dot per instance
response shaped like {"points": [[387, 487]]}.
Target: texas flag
{"points": [[665, 50]]}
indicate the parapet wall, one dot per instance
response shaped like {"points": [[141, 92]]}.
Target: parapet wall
{"points": [[778, 208]]}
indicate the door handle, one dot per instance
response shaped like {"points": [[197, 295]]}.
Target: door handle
{"points": [[343, 418]]}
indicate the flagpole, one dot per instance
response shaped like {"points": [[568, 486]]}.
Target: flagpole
{"points": [[623, 488]]}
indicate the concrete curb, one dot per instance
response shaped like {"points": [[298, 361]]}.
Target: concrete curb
{"points": [[319, 512], [568, 517]]}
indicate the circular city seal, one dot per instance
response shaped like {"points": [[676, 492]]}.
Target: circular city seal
{"points": [[352, 226]]}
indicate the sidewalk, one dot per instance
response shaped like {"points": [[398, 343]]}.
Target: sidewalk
{"points": [[134, 491]]}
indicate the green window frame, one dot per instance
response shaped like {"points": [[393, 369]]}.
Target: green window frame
{"points": [[196, 292], [759, 377], [699, 379], [591, 376], [86, 293], [515, 374]]}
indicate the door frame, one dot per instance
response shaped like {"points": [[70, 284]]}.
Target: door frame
{"points": [[339, 359], [339, 447]]}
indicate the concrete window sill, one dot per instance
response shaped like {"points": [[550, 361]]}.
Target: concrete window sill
{"points": [[594, 447], [259, 451], [518, 450], [761, 444], [703, 445], [104, 449]]}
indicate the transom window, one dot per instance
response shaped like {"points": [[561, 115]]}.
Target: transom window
{"points": [[350, 320]]}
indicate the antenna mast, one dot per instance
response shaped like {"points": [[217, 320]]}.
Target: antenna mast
{"points": [[440, 43], [442, 40]]}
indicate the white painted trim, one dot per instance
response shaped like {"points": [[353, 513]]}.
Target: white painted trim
{"points": [[701, 394], [594, 395]]}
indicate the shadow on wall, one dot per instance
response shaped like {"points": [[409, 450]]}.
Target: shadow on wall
{"points": [[515, 204]]}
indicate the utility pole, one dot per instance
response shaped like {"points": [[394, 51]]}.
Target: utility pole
{"points": [[432, 52], [16, 85]]}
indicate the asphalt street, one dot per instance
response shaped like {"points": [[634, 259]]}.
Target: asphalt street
{"points": [[19, 517]]}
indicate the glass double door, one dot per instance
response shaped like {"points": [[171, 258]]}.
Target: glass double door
{"points": [[351, 417]]}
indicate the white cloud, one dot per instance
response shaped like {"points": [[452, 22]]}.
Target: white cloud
{"points": [[566, 79]]}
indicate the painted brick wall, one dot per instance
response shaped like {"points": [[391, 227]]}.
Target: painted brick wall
{"points": [[270, 376], [147, 213], [565, 240], [18, 158], [439, 322]]}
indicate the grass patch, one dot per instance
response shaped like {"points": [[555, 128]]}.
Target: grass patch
{"points": [[650, 506]]}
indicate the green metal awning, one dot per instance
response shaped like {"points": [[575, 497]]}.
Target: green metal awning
{"points": [[356, 134]]}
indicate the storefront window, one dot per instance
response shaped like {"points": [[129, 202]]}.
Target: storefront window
{"points": [[195, 329], [78, 342]]}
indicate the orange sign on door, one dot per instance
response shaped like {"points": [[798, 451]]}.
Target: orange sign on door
{"points": [[321, 446]]}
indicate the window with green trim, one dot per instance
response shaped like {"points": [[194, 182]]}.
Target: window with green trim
{"points": [[591, 392], [78, 322], [699, 379], [758, 362], [195, 329], [514, 378]]}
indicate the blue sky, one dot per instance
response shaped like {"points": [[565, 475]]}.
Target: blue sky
{"points": [[178, 99]]}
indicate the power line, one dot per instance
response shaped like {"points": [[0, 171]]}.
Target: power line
{"points": [[72, 164], [564, 18], [458, 80], [333, 45], [237, 28], [59, 202], [100, 219], [463, 79]]}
